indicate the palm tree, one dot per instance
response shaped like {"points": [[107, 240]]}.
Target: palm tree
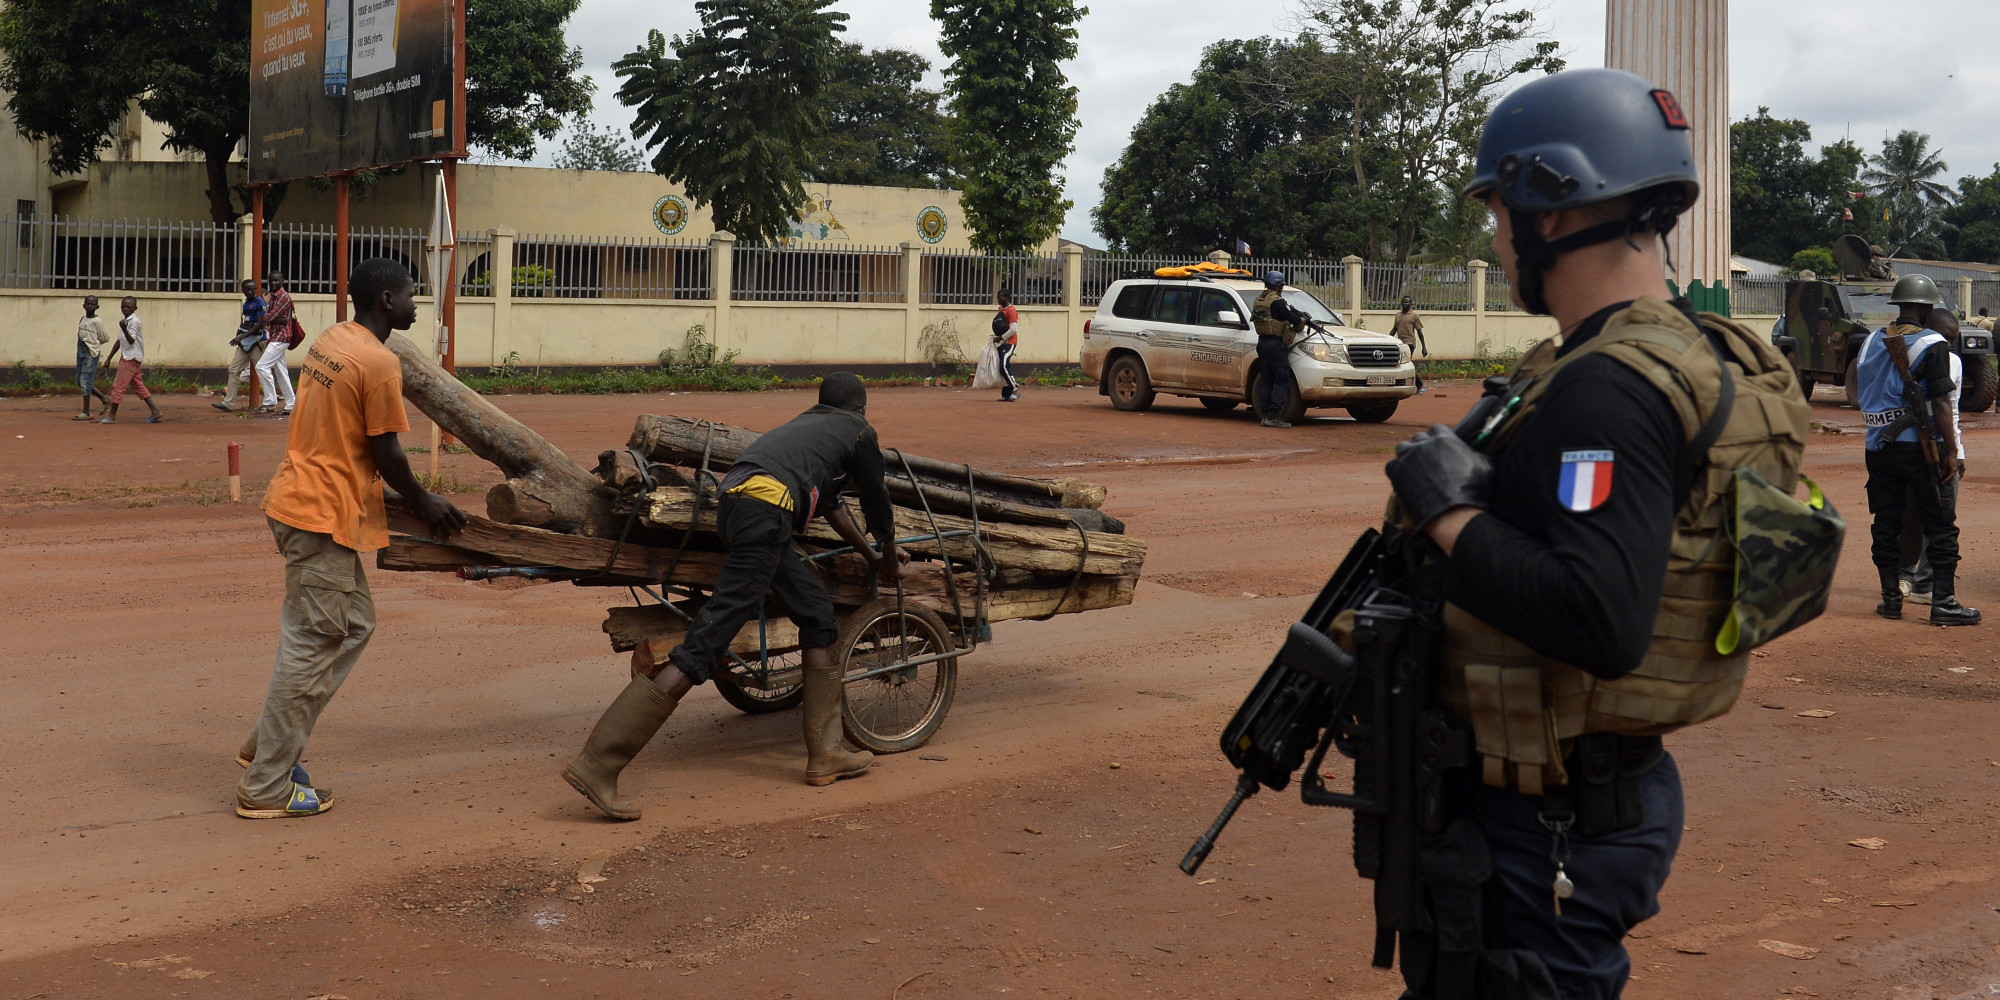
{"points": [[1904, 169]]}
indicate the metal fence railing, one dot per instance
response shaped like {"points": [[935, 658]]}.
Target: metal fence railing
{"points": [[784, 274], [608, 267], [1101, 269], [1431, 289], [961, 278], [1499, 294], [145, 255], [303, 253], [1757, 296]]}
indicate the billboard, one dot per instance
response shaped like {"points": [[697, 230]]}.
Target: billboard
{"points": [[340, 85]]}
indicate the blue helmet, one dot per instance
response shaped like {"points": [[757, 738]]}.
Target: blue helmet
{"points": [[1274, 279], [1581, 137]]}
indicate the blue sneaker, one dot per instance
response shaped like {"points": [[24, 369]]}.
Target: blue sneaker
{"points": [[299, 775], [305, 801]]}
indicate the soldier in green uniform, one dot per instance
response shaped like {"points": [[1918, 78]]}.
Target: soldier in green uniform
{"points": [[1275, 322]]}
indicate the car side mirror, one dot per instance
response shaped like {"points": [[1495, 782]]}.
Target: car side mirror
{"points": [[1825, 313], [1229, 317]]}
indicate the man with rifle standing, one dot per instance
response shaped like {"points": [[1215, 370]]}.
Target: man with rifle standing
{"points": [[1581, 565], [1906, 401]]}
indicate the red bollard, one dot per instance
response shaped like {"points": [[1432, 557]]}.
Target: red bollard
{"points": [[235, 472]]}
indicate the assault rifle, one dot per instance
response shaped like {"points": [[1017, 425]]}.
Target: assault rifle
{"points": [[1374, 705], [1919, 412]]}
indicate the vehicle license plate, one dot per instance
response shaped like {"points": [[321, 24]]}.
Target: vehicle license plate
{"points": [[1382, 380]]}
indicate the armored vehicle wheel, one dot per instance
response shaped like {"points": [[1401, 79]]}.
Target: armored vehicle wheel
{"points": [[1130, 389], [1982, 385], [1373, 413], [781, 692], [1806, 387], [1854, 384], [1214, 405], [893, 708]]}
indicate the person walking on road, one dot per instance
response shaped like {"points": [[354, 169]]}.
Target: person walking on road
{"points": [[1915, 572], [1899, 473], [1007, 334], [1410, 330], [325, 508], [781, 482], [131, 362], [246, 347], [281, 325], [1275, 321], [90, 336]]}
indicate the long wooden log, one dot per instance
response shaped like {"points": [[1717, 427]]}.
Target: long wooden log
{"points": [[565, 496], [518, 545], [629, 626], [680, 441], [1012, 546]]}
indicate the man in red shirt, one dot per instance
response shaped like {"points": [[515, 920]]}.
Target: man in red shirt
{"points": [[1007, 334]]}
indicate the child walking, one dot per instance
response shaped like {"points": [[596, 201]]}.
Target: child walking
{"points": [[131, 358], [90, 335]]}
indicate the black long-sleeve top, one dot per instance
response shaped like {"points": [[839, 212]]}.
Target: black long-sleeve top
{"points": [[820, 454], [1581, 586]]}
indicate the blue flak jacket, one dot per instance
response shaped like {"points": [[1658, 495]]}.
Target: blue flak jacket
{"points": [[1881, 389]]}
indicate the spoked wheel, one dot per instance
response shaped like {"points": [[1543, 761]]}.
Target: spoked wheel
{"points": [[893, 708], [755, 690]]}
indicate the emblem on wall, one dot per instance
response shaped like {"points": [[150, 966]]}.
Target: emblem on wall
{"points": [[931, 224], [670, 214]]}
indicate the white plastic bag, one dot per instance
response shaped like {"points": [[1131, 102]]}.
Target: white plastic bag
{"points": [[987, 375]]}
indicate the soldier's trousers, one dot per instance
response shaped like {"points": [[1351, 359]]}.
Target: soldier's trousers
{"points": [[1897, 479]]}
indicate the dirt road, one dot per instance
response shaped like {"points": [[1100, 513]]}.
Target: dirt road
{"points": [[1035, 856]]}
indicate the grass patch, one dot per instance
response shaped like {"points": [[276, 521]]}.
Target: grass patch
{"points": [[446, 483], [457, 449], [202, 492], [1485, 361]]}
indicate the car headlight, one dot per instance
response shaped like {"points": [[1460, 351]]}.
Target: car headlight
{"points": [[1976, 343], [1326, 353], [1403, 355]]}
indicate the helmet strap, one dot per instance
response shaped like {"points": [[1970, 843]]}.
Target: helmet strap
{"points": [[1534, 256]]}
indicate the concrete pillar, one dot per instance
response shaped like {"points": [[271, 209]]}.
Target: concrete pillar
{"points": [[1476, 269], [1683, 46], [1964, 297], [721, 261], [500, 278], [1353, 289], [246, 249], [1219, 258], [1072, 267], [913, 313]]}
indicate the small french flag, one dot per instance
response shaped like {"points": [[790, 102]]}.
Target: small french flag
{"points": [[1586, 480]]}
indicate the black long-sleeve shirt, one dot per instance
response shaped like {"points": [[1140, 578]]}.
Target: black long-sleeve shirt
{"points": [[818, 455], [1581, 586]]}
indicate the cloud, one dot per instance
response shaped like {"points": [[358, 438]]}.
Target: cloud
{"points": [[1842, 65]]}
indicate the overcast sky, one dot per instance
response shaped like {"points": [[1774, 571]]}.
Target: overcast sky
{"points": [[1859, 67]]}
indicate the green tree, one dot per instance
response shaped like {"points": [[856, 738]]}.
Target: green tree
{"points": [[1818, 260], [734, 114], [883, 126], [1975, 219], [521, 74], [1904, 175], [1416, 82], [71, 70], [1784, 199], [588, 147], [1013, 114], [1222, 157]]}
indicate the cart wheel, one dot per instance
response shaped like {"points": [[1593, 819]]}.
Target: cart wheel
{"points": [[733, 685], [897, 709]]}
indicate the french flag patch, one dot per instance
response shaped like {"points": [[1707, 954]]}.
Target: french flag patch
{"points": [[1586, 480]]}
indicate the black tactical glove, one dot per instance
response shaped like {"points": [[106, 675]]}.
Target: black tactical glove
{"points": [[1436, 471]]}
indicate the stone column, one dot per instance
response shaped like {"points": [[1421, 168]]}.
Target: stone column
{"points": [[1072, 268], [1353, 289], [1477, 270], [721, 261], [246, 256], [1219, 258], [1965, 309], [1683, 46], [500, 279], [913, 316]]}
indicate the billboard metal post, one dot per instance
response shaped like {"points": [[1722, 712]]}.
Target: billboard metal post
{"points": [[340, 248]]}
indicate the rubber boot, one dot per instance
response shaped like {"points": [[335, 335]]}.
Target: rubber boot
{"points": [[826, 760], [625, 728], [1945, 609]]}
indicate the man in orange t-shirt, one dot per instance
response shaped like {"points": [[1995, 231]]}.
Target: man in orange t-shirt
{"points": [[325, 509]]}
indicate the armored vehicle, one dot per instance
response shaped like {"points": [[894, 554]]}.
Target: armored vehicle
{"points": [[1826, 319]]}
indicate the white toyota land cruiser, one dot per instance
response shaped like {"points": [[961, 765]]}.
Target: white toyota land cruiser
{"points": [[1192, 337]]}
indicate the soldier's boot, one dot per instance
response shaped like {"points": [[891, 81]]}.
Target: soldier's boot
{"points": [[1945, 609], [826, 760], [1892, 596], [625, 729]]}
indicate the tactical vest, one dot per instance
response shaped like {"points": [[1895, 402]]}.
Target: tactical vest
{"points": [[1883, 408], [1525, 708], [1260, 317]]}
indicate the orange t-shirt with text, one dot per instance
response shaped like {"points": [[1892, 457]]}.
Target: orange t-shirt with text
{"points": [[350, 389]]}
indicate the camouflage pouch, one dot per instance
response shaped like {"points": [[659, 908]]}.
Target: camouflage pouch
{"points": [[1785, 556]]}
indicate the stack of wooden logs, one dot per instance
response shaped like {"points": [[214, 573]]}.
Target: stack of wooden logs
{"points": [[1013, 546]]}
